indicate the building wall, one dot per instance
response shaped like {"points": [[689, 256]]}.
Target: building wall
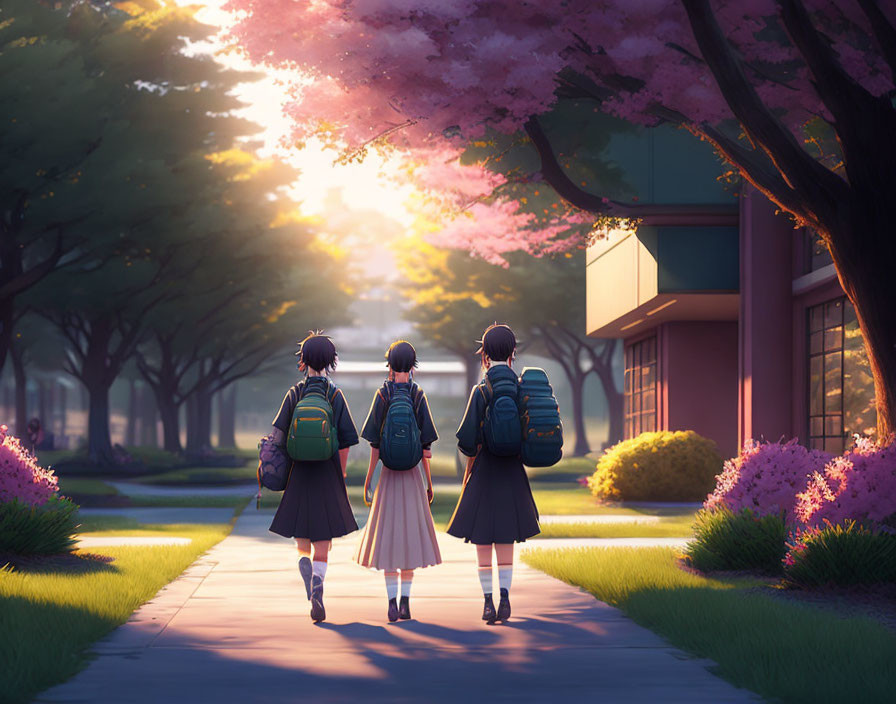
{"points": [[698, 373], [766, 367]]}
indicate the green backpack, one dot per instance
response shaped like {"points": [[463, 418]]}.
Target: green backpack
{"points": [[312, 433]]}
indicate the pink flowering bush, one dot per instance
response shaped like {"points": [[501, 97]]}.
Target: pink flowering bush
{"points": [[859, 485], [766, 478], [21, 477]]}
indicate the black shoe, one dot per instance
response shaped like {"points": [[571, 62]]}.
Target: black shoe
{"points": [[318, 612], [393, 611], [504, 606], [488, 611], [305, 571], [404, 608]]}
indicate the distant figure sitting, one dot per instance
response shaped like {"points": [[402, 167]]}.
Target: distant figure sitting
{"points": [[35, 435]]}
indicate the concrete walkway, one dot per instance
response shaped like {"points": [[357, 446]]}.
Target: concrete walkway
{"points": [[235, 628], [134, 489]]}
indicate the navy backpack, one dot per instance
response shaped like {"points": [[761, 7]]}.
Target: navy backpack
{"points": [[501, 425], [400, 447]]}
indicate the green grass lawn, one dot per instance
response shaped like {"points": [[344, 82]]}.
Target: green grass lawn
{"points": [[675, 527], [784, 651], [49, 618], [189, 476], [80, 486]]}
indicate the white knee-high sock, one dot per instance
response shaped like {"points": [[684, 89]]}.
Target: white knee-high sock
{"points": [[505, 576], [485, 579], [406, 581], [319, 569], [391, 584]]}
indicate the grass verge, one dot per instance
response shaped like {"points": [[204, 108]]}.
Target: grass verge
{"points": [[784, 651], [49, 617], [664, 528]]}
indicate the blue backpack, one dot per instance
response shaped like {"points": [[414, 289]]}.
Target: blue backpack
{"points": [[501, 425], [542, 444], [400, 447]]}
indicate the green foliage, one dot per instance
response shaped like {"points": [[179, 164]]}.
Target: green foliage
{"points": [[784, 651], [844, 554], [660, 466], [724, 540], [38, 530]]}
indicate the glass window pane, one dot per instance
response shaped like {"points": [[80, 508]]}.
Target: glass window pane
{"points": [[833, 338], [816, 426], [816, 400], [816, 318], [833, 380], [815, 343], [650, 400], [833, 425], [859, 410], [833, 313], [650, 422], [628, 381]]}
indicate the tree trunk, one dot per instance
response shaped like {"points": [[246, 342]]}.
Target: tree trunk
{"points": [[130, 433], [867, 278], [99, 439], [42, 407], [63, 411], [148, 416], [227, 417], [199, 426], [18, 372], [169, 413], [615, 403], [577, 388]]}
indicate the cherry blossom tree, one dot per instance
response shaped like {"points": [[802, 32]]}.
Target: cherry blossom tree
{"points": [[796, 94]]}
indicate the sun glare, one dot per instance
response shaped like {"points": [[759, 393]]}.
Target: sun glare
{"points": [[367, 186]]}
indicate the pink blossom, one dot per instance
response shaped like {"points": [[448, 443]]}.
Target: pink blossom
{"points": [[766, 478], [21, 477], [859, 485]]}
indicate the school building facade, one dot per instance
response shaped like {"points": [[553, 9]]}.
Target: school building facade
{"points": [[734, 323]]}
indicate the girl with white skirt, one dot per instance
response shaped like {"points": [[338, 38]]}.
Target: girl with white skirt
{"points": [[399, 536]]}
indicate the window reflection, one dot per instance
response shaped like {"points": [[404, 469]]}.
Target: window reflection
{"points": [[841, 389]]}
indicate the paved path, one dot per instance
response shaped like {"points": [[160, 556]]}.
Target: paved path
{"points": [[133, 489], [235, 628]]}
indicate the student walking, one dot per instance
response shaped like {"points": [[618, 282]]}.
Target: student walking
{"points": [[316, 427], [399, 536], [495, 508]]}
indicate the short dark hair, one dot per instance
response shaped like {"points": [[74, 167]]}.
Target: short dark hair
{"points": [[498, 343], [401, 356], [317, 351]]}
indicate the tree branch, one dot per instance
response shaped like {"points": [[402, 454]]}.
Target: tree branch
{"points": [[799, 169], [883, 31]]}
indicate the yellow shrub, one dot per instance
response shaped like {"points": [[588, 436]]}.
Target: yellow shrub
{"points": [[661, 466]]}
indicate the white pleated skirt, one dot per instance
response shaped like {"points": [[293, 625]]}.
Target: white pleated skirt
{"points": [[399, 534]]}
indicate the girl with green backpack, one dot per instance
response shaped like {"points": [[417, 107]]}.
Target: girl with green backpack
{"points": [[495, 508], [316, 428], [399, 536]]}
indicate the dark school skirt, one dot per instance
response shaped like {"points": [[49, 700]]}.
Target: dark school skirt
{"points": [[496, 505], [315, 505]]}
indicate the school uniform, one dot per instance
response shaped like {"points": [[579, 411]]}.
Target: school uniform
{"points": [[496, 504], [399, 534], [315, 504]]}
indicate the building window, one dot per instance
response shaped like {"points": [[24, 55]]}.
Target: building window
{"points": [[841, 388], [816, 254], [640, 387]]}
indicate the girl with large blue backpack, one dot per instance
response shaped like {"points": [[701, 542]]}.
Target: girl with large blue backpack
{"points": [[313, 431], [399, 536], [496, 508]]}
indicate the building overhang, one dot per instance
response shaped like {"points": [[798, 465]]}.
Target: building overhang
{"points": [[635, 280], [665, 307]]}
